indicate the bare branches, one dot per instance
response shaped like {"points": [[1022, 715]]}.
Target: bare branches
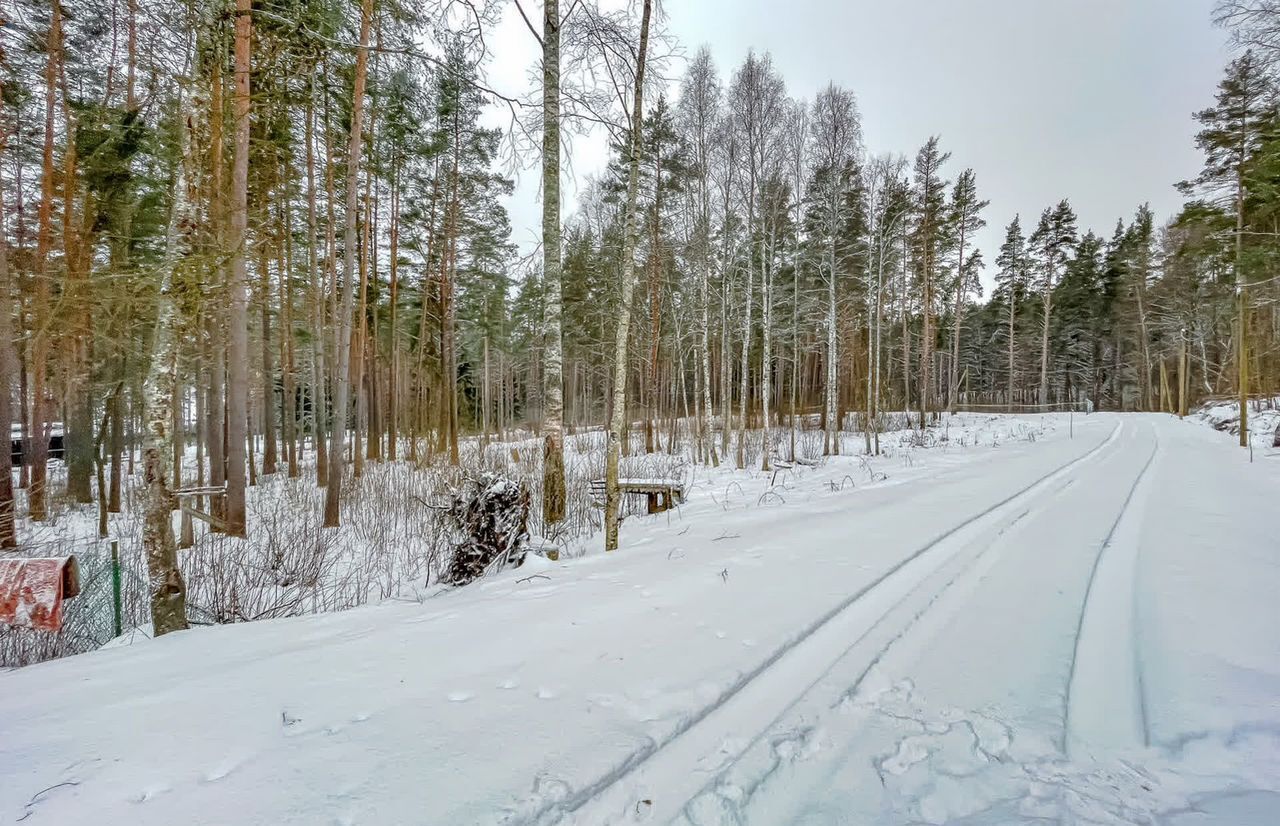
{"points": [[527, 22]]}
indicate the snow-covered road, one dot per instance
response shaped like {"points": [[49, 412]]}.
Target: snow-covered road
{"points": [[1082, 627]]}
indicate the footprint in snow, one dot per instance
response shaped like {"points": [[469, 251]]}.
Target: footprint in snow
{"points": [[545, 693], [507, 685], [218, 772], [721, 635], [749, 643], [460, 696], [151, 791]]}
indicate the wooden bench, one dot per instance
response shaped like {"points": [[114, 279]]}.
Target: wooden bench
{"points": [[660, 494], [187, 500]]}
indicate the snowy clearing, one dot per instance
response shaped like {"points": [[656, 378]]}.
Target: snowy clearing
{"points": [[1078, 626]]}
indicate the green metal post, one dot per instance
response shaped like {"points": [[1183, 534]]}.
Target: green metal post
{"points": [[115, 586]]}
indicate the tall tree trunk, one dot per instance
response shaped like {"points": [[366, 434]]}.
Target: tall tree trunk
{"points": [[342, 378], [238, 319], [1044, 341], [270, 456], [1013, 310], [8, 379], [831, 384], [766, 356], [704, 347], [553, 481], [393, 377], [288, 380], [318, 285], [41, 316], [77, 336], [744, 385], [168, 591], [215, 352], [953, 388], [1242, 305], [618, 417], [906, 332]]}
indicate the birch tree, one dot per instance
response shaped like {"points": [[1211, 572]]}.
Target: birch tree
{"points": [[618, 417], [699, 103], [756, 101], [836, 143], [168, 590]]}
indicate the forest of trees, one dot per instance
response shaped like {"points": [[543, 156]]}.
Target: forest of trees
{"points": [[272, 235]]}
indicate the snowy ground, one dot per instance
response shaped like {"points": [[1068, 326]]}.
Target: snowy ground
{"points": [[1264, 418], [1070, 621]]}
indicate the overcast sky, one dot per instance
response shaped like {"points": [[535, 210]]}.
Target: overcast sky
{"points": [[1089, 100]]}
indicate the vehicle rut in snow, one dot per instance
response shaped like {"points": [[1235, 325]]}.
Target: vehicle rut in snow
{"points": [[1105, 703], [752, 703]]}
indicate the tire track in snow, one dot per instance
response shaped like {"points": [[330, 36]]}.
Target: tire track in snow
{"points": [[761, 695], [1105, 702]]}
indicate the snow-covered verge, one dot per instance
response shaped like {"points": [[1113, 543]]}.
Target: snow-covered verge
{"points": [[1076, 625], [1264, 419], [391, 545]]}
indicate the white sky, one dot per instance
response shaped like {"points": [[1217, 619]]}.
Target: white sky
{"points": [[1085, 99]]}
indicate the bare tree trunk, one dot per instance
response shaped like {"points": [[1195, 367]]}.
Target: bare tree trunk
{"points": [[238, 321], [618, 417], [342, 378]]}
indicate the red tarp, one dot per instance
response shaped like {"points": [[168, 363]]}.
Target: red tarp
{"points": [[32, 590]]}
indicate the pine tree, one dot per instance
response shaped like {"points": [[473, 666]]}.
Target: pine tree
{"points": [[1013, 280], [966, 221], [1234, 129], [1051, 245], [929, 233]]}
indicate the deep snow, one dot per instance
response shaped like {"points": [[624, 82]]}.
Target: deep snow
{"points": [[1079, 627]]}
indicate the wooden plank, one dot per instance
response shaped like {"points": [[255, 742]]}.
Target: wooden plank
{"points": [[207, 518], [212, 490]]}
